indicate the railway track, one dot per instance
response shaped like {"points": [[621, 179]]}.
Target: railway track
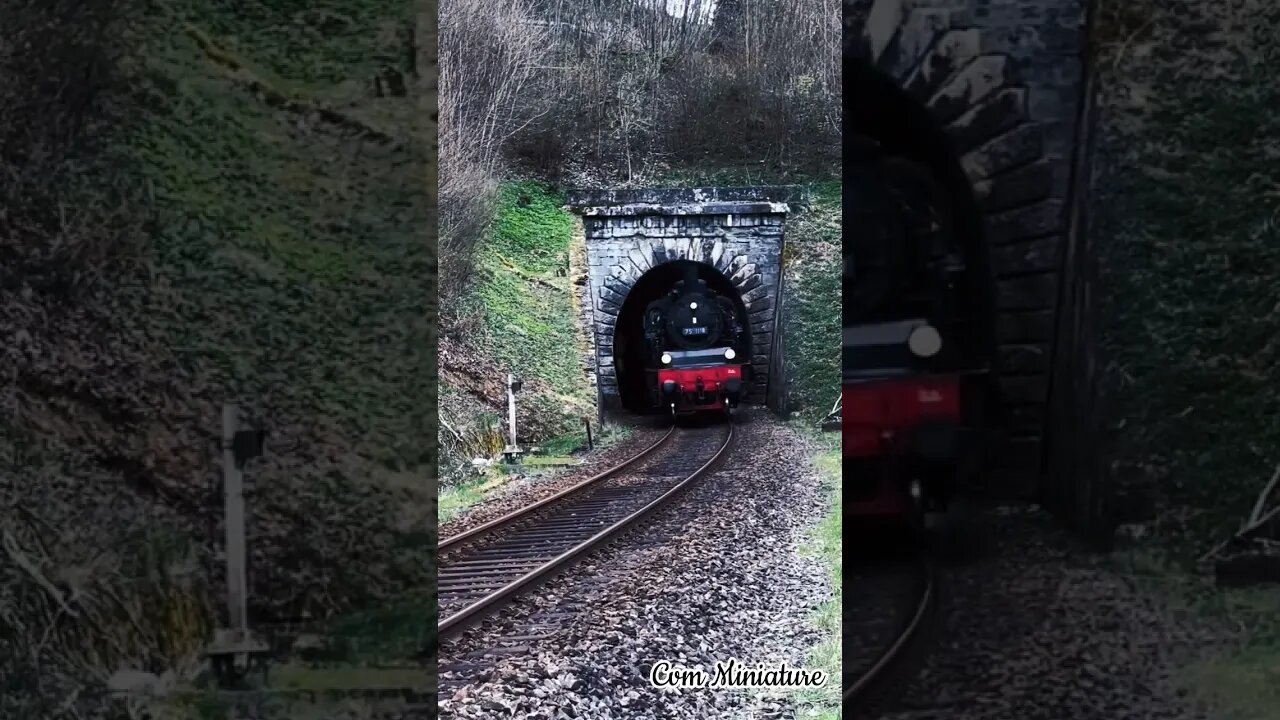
{"points": [[484, 568], [888, 616]]}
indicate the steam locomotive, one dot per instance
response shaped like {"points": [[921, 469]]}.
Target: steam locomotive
{"points": [[694, 337], [917, 346]]}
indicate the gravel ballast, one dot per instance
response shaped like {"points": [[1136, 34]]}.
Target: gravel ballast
{"points": [[720, 575], [1032, 627]]}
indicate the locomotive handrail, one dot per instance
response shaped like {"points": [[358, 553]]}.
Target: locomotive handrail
{"points": [[895, 374]]}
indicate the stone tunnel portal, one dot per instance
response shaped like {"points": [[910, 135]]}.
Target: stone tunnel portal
{"points": [[987, 96], [733, 235], [628, 340]]}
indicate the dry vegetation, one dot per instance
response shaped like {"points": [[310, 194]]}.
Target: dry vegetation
{"points": [[620, 92]]}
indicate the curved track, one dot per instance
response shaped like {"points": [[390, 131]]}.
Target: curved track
{"points": [[484, 568], [884, 621]]}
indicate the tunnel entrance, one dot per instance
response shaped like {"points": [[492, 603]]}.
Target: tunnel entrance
{"points": [[896, 151], [629, 355]]}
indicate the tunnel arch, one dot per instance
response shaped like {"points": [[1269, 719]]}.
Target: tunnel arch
{"points": [[953, 89], [628, 331]]}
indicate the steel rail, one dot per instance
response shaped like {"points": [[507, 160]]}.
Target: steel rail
{"points": [[465, 617], [511, 517], [895, 650]]}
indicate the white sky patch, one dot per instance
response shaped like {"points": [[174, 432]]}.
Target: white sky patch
{"points": [[702, 10]]}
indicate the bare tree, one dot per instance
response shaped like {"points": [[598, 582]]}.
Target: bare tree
{"points": [[489, 50], [617, 88]]}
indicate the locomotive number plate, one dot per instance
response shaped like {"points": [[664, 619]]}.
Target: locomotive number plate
{"points": [[693, 331]]}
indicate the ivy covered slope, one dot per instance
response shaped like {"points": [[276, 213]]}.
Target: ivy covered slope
{"points": [[811, 310], [291, 241], [529, 321], [1188, 226], [234, 212]]}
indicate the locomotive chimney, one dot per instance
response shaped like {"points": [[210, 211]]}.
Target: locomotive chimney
{"points": [[690, 277]]}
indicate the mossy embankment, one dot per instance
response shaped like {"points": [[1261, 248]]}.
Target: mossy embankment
{"points": [[526, 295], [269, 247], [517, 316], [826, 543]]}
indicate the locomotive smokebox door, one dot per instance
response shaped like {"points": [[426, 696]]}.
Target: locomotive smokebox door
{"points": [[247, 444]]}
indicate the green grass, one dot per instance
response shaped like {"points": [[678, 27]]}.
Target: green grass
{"points": [[454, 499], [826, 544], [812, 306], [532, 228], [396, 629], [566, 444], [524, 294], [1243, 688], [1240, 681]]}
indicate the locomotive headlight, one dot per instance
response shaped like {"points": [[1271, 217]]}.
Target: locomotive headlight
{"points": [[693, 306], [666, 358], [729, 354], [924, 341]]}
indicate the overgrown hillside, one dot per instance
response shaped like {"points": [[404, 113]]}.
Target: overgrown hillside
{"points": [[517, 316], [212, 205], [1186, 223]]}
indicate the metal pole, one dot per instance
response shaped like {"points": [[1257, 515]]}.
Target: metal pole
{"points": [[511, 408], [233, 489]]}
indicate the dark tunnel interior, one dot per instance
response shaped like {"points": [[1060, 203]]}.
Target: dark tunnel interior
{"points": [[882, 119], [628, 335]]}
